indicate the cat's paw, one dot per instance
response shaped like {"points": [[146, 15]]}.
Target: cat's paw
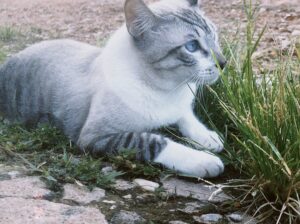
{"points": [[189, 161], [210, 140]]}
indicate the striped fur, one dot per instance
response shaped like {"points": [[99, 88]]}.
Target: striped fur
{"points": [[147, 145]]}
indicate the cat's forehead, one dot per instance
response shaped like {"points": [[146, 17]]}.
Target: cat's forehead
{"points": [[182, 14]]}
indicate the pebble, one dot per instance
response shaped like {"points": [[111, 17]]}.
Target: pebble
{"points": [[126, 217], [109, 202], [123, 185], [107, 169], [146, 184], [296, 33], [235, 217], [81, 194], [192, 207], [208, 218], [177, 222], [128, 196]]}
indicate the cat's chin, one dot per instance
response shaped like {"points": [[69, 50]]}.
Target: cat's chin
{"points": [[208, 80]]}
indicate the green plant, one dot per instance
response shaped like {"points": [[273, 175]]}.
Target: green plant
{"points": [[7, 33], [261, 113]]}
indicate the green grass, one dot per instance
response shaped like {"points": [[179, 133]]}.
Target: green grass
{"points": [[7, 33], [260, 116], [47, 152]]}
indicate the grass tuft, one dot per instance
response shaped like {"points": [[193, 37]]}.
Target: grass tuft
{"points": [[7, 33], [261, 115]]}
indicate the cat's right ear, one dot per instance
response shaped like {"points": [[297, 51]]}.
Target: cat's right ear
{"points": [[139, 18]]}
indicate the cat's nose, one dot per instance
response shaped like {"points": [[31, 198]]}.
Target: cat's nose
{"points": [[222, 63], [221, 60]]}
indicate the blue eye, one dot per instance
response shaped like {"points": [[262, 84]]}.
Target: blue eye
{"points": [[192, 46]]}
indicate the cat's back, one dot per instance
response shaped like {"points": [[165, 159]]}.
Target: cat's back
{"points": [[62, 53], [30, 79]]}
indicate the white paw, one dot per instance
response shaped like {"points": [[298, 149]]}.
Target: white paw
{"points": [[190, 161], [209, 140]]}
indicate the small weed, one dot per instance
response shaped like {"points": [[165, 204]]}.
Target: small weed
{"points": [[2, 56], [7, 33]]}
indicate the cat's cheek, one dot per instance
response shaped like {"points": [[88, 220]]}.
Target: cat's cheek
{"points": [[189, 161]]}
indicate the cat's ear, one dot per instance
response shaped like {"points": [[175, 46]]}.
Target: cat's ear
{"points": [[139, 18], [194, 2]]}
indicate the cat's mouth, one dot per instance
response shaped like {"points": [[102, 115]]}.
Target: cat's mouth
{"points": [[207, 77]]}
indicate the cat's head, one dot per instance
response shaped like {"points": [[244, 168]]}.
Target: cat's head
{"points": [[175, 39]]}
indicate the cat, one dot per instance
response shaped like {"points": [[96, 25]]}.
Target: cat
{"points": [[106, 100]]}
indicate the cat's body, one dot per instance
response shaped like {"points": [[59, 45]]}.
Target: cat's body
{"points": [[106, 100]]}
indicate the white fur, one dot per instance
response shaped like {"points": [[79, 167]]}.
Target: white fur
{"points": [[192, 128], [187, 160], [156, 103]]}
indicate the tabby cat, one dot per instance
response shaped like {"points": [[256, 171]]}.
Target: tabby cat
{"points": [[106, 100]]}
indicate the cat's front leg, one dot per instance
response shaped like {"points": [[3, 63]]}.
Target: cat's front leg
{"points": [[155, 148], [192, 128]]}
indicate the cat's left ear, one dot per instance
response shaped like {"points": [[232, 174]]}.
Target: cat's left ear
{"points": [[139, 18], [194, 2]]}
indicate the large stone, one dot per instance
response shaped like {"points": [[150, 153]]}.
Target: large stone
{"points": [[125, 217], [25, 187], [21, 211], [81, 194], [198, 191]]}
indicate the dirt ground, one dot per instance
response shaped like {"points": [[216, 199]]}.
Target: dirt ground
{"points": [[94, 20]]}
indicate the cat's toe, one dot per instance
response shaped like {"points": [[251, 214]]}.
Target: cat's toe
{"points": [[211, 141], [211, 167]]}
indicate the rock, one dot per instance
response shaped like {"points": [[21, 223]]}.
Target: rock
{"points": [[240, 218], [198, 191], [296, 33], [107, 169], [195, 207], [146, 198], [81, 194], [129, 196], [113, 207], [123, 185], [177, 222], [125, 217], [109, 202], [25, 187], [146, 184], [235, 217], [19, 211], [11, 172], [208, 218]]}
